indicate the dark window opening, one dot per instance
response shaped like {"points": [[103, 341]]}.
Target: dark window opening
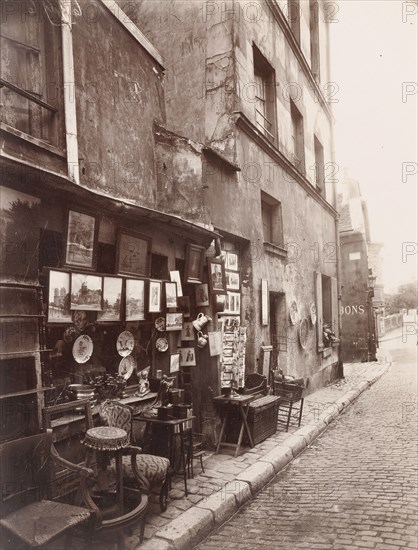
{"points": [[265, 95], [271, 217], [159, 267], [319, 166], [298, 153], [314, 37], [293, 7]]}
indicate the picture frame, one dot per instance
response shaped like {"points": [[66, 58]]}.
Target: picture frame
{"points": [[232, 261], [175, 278], [81, 243], [265, 360], [135, 300], [187, 332], [202, 295], [232, 280], [112, 300], [173, 321], [170, 294], [86, 292], [194, 264], [264, 302], [59, 297], [233, 303], [187, 357], [215, 343], [183, 304], [174, 362], [216, 274], [154, 296], [133, 253]]}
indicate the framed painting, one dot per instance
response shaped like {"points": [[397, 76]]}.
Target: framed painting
{"points": [[59, 297], [232, 261], [135, 300], [86, 292], [187, 357], [174, 362], [133, 253], [170, 295], [216, 272], [154, 296], [112, 300], [187, 332], [232, 280], [175, 278], [194, 263], [173, 321], [81, 243]]}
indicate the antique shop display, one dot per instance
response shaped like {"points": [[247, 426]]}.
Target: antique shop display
{"points": [[82, 231], [133, 252], [125, 343]]}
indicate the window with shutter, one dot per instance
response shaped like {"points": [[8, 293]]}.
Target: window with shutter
{"points": [[319, 315]]}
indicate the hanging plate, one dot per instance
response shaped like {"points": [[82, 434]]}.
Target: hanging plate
{"points": [[125, 343], [127, 366], [161, 344], [160, 324], [82, 348], [303, 332], [313, 313]]}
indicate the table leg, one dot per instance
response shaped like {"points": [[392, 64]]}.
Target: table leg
{"points": [[119, 480], [183, 460], [241, 433], [244, 414], [222, 431]]}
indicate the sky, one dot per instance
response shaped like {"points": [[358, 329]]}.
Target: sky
{"points": [[374, 64]]}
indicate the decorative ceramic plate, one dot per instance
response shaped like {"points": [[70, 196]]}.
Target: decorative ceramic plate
{"points": [[160, 324], [303, 332], [125, 343], [126, 367], [83, 348], [312, 310], [161, 344], [294, 316]]}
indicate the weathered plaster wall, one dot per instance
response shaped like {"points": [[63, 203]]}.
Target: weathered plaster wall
{"points": [[119, 93], [291, 84]]}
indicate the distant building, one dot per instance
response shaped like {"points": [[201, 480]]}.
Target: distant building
{"points": [[362, 305]]}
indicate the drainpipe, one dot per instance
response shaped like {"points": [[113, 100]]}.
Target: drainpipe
{"points": [[69, 92]]}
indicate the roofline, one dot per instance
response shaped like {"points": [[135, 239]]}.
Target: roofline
{"points": [[131, 27]]}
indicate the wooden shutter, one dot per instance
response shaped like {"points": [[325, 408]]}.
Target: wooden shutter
{"points": [[334, 305], [319, 318]]}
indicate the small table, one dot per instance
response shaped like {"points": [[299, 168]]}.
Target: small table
{"points": [[171, 424], [106, 439], [242, 401]]}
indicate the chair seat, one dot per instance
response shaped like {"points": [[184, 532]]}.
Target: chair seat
{"points": [[40, 522], [152, 470]]}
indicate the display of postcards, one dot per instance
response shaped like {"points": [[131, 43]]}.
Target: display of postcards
{"points": [[228, 352], [227, 375], [227, 360], [232, 280], [229, 337]]}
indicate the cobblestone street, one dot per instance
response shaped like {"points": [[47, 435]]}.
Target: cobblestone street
{"points": [[355, 487]]}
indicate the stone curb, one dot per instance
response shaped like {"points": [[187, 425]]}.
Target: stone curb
{"points": [[194, 525]]}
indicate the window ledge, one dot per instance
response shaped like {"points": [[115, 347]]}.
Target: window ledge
{"points": [[275, 249], [35, 141]]}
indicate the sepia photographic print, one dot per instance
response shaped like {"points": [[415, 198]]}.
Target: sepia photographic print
{"points": [[220, 198]]}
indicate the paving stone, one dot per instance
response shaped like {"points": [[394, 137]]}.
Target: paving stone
{"points": [[193, 524], [183, 504]]}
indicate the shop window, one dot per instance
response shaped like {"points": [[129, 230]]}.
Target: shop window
{"points": [[271, 215], [314, 36], [319, 166], [293, 7], [265, 109], [298, 153], [326, 298], [27, 43], [159, 267]]}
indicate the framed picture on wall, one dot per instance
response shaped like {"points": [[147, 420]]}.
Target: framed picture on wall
{"points": [[154, 296], [86, 292], [194, 263], [112, 297], [170, 295], [216, 273], [59, 297], [133, 253], [175, 278], [135, 300], [232, 261], [81, 243], [183, 303], [173, 321], [232, 280], [187, 357], [174, 362]]}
